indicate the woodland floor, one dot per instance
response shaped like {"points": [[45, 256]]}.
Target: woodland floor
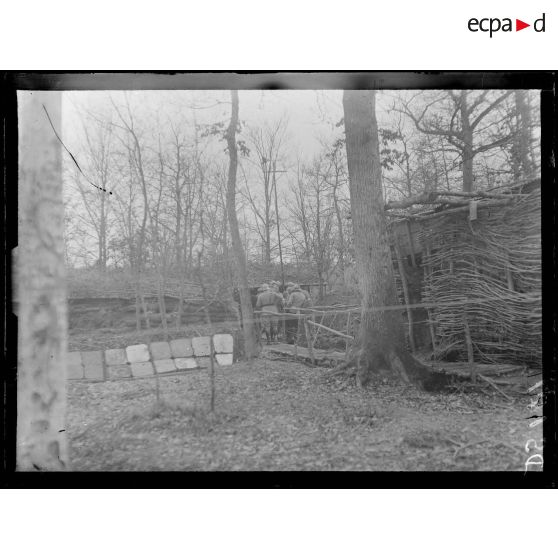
{"points": [[279, 415]]}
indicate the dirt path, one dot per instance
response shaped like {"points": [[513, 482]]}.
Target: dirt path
{"points": [[275, 415]]}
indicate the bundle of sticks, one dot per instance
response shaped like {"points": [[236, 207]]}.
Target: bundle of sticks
{"points": [[484, 275]]}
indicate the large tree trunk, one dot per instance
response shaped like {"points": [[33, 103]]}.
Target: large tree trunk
{"points": [[523, 138], [468, 152], [381, 338], [41, 291], [251, 346]]}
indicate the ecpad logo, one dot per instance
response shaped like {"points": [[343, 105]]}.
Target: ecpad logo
{"points": [[494, 24]]}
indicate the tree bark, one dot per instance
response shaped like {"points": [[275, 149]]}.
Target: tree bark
{"points": [[250, 342], [381, 339], [523, 138], [43, 325], [467, 153]]}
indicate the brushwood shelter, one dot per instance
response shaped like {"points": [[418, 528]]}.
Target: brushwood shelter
{"points": [[468, 271]]}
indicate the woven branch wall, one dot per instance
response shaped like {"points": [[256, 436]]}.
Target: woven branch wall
{"points": [[487, 272]]}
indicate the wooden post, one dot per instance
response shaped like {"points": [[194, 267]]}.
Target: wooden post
{"points": [[162, 306], [212, 373], [138, 312], [509, 277], [145, 310], [297, 335], [406, 296], [309, 341], [41, 288], [427, 269], [348, 333], [411, 243], [317, 329], [432, 331], [469, 345]]}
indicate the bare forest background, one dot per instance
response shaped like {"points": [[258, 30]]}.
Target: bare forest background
{"points": [[148, 212]]}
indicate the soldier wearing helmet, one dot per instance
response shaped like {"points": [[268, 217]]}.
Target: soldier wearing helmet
{"points": [[297, 299], [269, 302]]}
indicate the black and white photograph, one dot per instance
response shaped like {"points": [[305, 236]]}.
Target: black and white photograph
{"points": [[279, 278]]}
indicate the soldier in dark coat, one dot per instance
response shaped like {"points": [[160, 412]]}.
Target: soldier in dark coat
{"points": [[269, 303], [297, 298]]}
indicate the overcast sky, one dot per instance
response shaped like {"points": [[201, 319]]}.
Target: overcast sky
{"points": [[311, 114]]}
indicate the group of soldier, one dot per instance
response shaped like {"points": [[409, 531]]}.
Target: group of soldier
{"points": [[278, 312]]}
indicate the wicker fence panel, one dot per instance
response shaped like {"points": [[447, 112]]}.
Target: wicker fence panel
{"points": [[487, 272]]}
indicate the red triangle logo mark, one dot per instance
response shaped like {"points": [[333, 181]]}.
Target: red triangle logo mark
{"points": [[519, 25]]}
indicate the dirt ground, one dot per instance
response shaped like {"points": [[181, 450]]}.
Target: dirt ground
{"points": [[277, 415]]}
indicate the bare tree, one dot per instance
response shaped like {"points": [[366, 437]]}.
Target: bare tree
{"points": [[317, 197], [178, 168], [336, 178], [266, 143], [93, 217], [298, 206], [250, 341], [99, 157], [468, 121], [132, 144]]}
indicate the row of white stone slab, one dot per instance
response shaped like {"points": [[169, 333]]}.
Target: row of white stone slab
{"points": [[145, 360]]}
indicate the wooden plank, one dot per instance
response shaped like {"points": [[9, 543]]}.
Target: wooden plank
{"points": [[427, 272], [347, 345], [469, 344], [331, 330], [317, 329], [406, 295], [483, 368], [411, 243], [500, 373], [319, 354]]}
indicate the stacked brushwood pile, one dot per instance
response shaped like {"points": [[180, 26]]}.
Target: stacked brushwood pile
{"points": [[110, 284], [482, 264], [108, 299]]}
